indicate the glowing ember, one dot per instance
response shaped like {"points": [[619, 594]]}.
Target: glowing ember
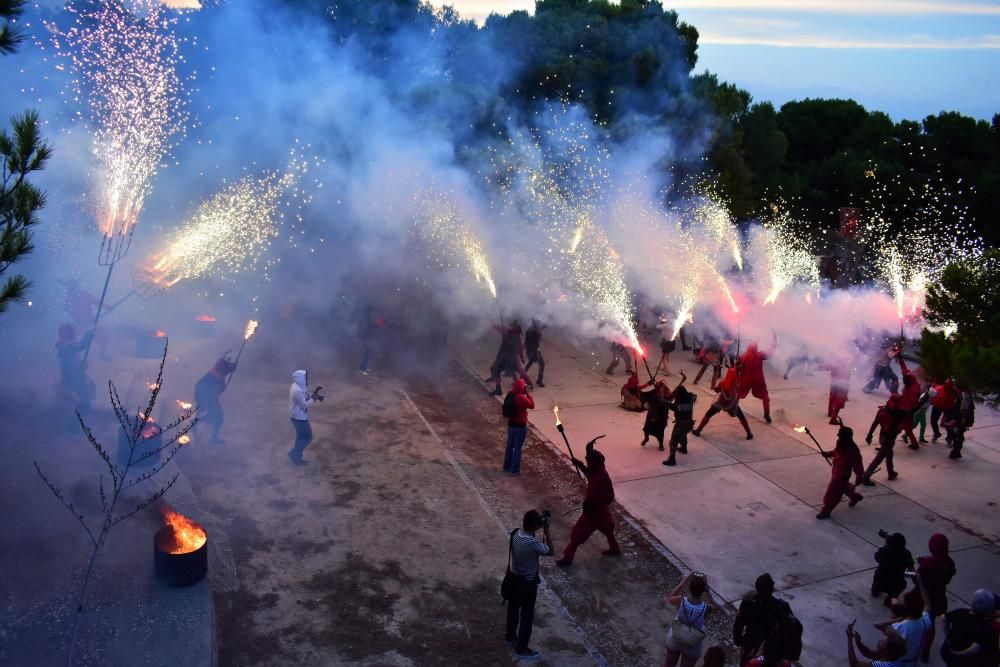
{"points": [[204, 318], [250, 328], [801, 429], [183, 405], [184, 439], [160, 334], [152, 386], [188, 535]]}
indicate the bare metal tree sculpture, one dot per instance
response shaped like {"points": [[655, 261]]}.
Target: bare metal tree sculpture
{"points": [[123, 478]]}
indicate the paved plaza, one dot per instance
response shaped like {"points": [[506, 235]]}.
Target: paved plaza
{"points": [[735, 508]]}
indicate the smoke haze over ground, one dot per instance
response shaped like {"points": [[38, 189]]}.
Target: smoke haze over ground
{"points": [[408, 190]]}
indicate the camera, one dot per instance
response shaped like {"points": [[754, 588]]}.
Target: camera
{"points": [[546, 515]]}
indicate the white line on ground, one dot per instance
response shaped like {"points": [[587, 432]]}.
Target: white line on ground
{"points": [[554, 600]]}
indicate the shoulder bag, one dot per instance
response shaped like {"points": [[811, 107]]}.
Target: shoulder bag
{"points": [[508, 587], [683, 633]]}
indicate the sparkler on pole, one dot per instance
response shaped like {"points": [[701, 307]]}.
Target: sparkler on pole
{"points": [[124, 58], [562, 431], [248, 331], [805, 429]]}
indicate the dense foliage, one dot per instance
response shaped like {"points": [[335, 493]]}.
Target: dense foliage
{"points": [[632, 64], [967, 296], [22, 152]]}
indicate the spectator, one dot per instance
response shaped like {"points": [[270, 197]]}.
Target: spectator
{"points": [[893, 559], [715, 656], [936, 571], [515, 409], [891, 647], [971, 640], [758, 614], [914, 626], [691, 611], [298, 411], [525, 550]]}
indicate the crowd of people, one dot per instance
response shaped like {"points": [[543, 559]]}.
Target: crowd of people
{"points": [[766, 631]]}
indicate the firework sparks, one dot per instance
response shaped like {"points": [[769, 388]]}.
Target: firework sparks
{"points": [[124, 55], [788, 259], [229, 232], [441, 225], [936, 233]]}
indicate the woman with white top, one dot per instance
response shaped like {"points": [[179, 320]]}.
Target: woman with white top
{"points": [[683, 641]]}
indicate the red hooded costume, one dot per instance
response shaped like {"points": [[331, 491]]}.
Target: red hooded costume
{"points": [[937, 570], [596, 507], [846, 460], [752, 376]]}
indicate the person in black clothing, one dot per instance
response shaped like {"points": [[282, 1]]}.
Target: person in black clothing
{"points": [[208, 395], [759, 614], [893, 559], [658, 400], [532, 345], [971, 640], [72, 370], [525, 549], [956, 420], [682, 405]]}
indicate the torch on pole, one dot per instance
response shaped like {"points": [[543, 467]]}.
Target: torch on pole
{"points": [[562, 431], [251, 327], [805, 429]]}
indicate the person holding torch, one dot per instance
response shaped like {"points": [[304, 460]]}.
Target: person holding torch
{"points": [[596, 507], [846, 459]]}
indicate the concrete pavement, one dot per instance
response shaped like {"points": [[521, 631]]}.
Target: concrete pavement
{"points": [[735, 508]]}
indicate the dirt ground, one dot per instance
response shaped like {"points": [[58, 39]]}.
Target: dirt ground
{"points": [[389, 546]]}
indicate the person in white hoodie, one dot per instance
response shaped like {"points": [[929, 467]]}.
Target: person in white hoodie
{"points": [[298, 411]]}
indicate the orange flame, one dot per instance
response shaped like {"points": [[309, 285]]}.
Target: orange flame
{"points": [[161, 334], [555, 411], [183, 405], [250, 328], [188, 534], [801, 429], [184, 439]]}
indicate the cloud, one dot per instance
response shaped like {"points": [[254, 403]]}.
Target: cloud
{"points": [[916, 42], [880, 7]]}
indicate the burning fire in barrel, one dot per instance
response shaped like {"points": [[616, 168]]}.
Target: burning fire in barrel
{"points": [[180, 550]]}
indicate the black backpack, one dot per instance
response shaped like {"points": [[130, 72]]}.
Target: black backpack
{"points": [[508, 405]]}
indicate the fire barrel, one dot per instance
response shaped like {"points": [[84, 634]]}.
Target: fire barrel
{"points": [[178, 569]]}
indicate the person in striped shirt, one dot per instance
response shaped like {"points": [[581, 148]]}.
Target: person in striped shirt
{"points": [[525, 549]]}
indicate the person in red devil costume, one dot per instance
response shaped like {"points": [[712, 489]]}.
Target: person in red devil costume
{"points": [[846, 459], [752, 376], [596, 507], [728, 401], [909, 399], [840, 383]]}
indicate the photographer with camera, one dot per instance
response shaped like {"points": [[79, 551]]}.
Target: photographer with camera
{"points": [[298, 411], [520, 586]]}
